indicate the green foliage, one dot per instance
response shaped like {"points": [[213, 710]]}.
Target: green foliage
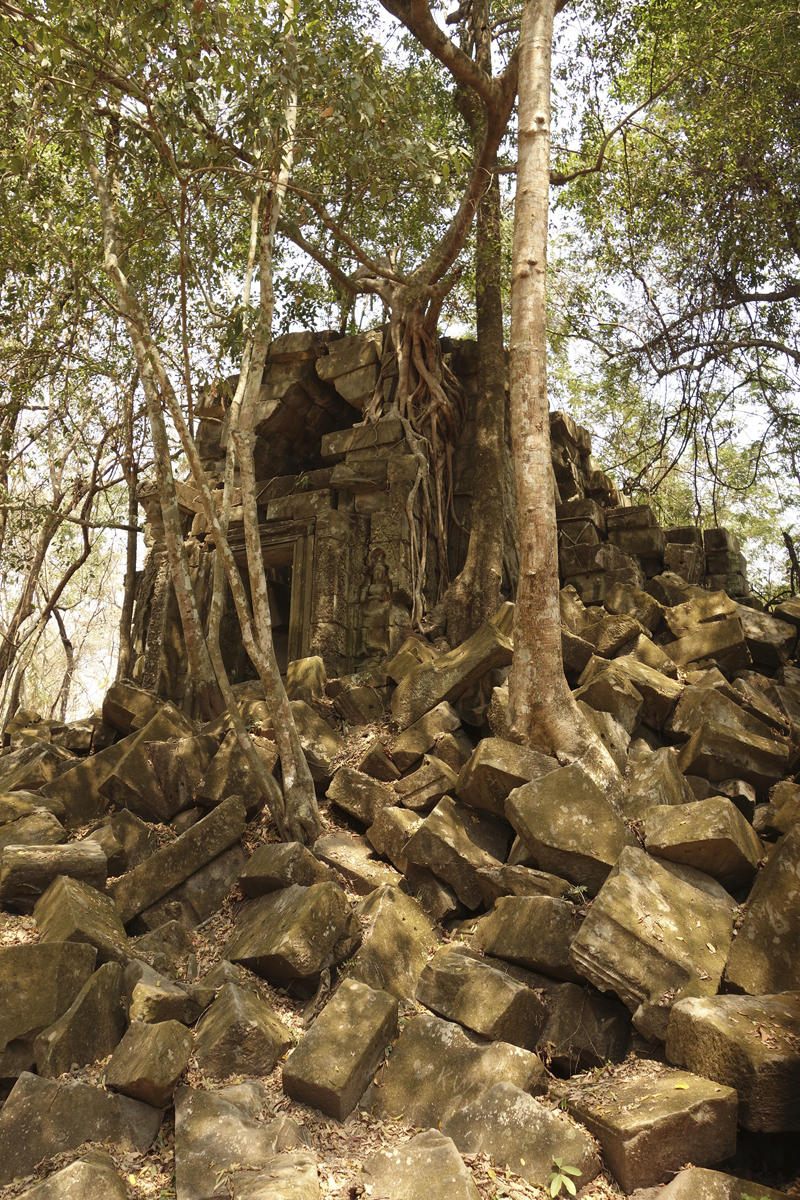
{"points": [[560, 1178]]}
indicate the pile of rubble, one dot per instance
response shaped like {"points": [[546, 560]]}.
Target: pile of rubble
{"points": [[485, 950]]}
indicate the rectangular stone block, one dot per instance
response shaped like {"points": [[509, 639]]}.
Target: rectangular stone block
{"points": [[333, 1064], [176, 861]]}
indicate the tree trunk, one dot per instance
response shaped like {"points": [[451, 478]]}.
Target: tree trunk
{"points": [[129, 593], [474, 595], [542, 710]]}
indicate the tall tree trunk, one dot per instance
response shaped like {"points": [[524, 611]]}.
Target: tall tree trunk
{"points": [[59, 706], [129, 585], [542, 710], [474, 595]]}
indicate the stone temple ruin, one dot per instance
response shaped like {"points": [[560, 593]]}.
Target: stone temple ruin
{"points": [[489, 964], [335, 531]]}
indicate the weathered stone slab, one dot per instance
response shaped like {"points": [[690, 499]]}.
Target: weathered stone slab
{"points": [[240, 1035], [436, 1068], [352, 857], [152, 997], [78, 789], [517, 880], [179, 765], [39, 983], [427, 1165], [721, 641], [655, 779], [27, 871], [419, 738], [570, 826], [698, 1183], [426, 786], [397, 938], [770, 641], [213, 1136], [451, 675], [34, 828], [149, 1061], [650, 1125], [700, 704], [494, 769], [376, 763], [532, 931], [90, 1178], [294, 933], [359, 795], [31, 767], [127, 707], [710, 835], [749, 1043], [229, 773], [520, 1133], [624, 598], [70, 911], [90, 1028], [716, 752], [390, 832], [453, 843], [461, 986], [659, 693], [615, 739], [290, 1176], [277, 865], [611, 691], [41, 1118], [437, 899], [765, 957], [176, 861], [133, 783], [334, 1062], [654, 933], [193, 901]]}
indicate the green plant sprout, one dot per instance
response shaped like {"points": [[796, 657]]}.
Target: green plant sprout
{"points": [[561, 1178]]}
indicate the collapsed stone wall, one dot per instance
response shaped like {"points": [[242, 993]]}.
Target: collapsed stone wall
{"points": [[334, 505]]}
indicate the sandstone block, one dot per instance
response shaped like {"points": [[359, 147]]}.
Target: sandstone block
{"points": [[294, 933], [451, 675], [213, 1136], [520, 1133], [698, 1183], [376, 763], [717, 752], [710, 835], [334, 1062], [71, 911], [533, 931], [228, 773], [436, 1068], [240, 1035], [176, 861], [90, 1178], [427, 1165], [151, 997], [765, 957], [650, 1126], [426, 786], [36, 827], [290, 1176], [569, 825], [90, 1028], [40, 982], [397, 937], [459, 985], [194, 900], [453, 843], [41, 1118], [699, 704], [659, 693], [27, 871], [494, 769], [351, 856], [769, 640], [611, 691], [419, 738], [655, 779], [127, 707], [359, 795], [390, 832], [277, 865], [508, 880], [748, 1043], [149, 1061], [632, 943]]}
